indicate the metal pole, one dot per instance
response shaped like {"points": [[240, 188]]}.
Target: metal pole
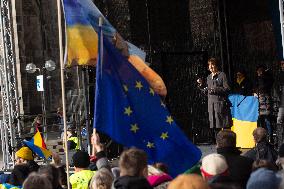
{"points": [[15, 68], [63, 87], [281, 24], [85, 82]]}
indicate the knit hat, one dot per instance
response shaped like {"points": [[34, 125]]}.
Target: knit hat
{"points": [[191, 181], [25, 153], [214, 164], [281, 150], [263, 178], [81, 159]]}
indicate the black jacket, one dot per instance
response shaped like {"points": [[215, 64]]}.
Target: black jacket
{"points": [[239, 166], [263, 150], [244, 88], [130, 182]]}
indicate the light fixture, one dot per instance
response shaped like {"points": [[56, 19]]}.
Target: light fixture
{"points": [[50, 65], [31, 68]]}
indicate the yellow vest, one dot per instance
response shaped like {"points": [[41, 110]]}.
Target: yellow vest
{"points": [[81, 179], [76, 141]]}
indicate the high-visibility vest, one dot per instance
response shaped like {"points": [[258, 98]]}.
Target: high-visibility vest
{"points": [[76, 141], [81, 179]]}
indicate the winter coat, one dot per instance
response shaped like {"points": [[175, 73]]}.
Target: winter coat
{"points": [[131, 182], [239, 166], [218, 103], [263, 150]]}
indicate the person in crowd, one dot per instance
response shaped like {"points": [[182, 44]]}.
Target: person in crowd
{"points": [[72, 139], [239, 166], [82, 176], [37, 124], [36, 181], [263, 149], [261, 163], [215, 171], [161, 166], [217, 88], [214, 165], [133, 170], [191, 181], [242, 84], [157, 178], [263, 178], [25, 156], [262, 90], [280, 94], [56, 162], [53, 174], [17, 177], [102, 179]]}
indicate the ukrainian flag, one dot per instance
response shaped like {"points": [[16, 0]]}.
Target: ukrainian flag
{"points": [[244, 112], [37, 145], [82, 17]]}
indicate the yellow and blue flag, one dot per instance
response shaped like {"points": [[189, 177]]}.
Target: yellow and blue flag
{"points": [[82, 41], [245, 114], [131, 113], [81, 33], [37, 145]]}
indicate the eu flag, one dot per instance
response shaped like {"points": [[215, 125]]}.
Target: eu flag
{"points": [[130, 112]]}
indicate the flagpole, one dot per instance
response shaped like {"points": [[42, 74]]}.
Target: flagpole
{"points": [[63, 88], [99, 59]]}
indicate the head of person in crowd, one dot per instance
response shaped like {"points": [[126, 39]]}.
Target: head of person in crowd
{"points": [[259, 135], [262, 163], [260, 70], [133, 162], [240, 75], [19, 174], [158, 178], [191, 181], [161, 166], [102, 179], [263, 178], [23, 155], [51, 173], [214, 165], [213, 65], [36, 181], [226, 138], [81, 160]]}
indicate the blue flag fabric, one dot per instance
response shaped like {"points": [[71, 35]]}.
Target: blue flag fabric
{"points": [[130, 112]]}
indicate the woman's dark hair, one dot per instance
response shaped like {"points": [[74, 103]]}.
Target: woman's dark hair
{"points": [[52, 173], [19, 174], [214, 62]]}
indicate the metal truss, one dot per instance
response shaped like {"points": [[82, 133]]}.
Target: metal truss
{"points": [[10, 125]]}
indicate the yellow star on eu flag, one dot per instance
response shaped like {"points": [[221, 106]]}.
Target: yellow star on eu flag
{"points": [[134, 128], [150, 145], [125, 88], [169, 120], [152, 92], [163, 104], [164, 136], [128, 111], [138, 85]]}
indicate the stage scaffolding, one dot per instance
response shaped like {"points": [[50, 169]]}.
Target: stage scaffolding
{"points": [[9, 124]]}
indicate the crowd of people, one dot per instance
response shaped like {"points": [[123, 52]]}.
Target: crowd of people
{"points": [[227, 168]]}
